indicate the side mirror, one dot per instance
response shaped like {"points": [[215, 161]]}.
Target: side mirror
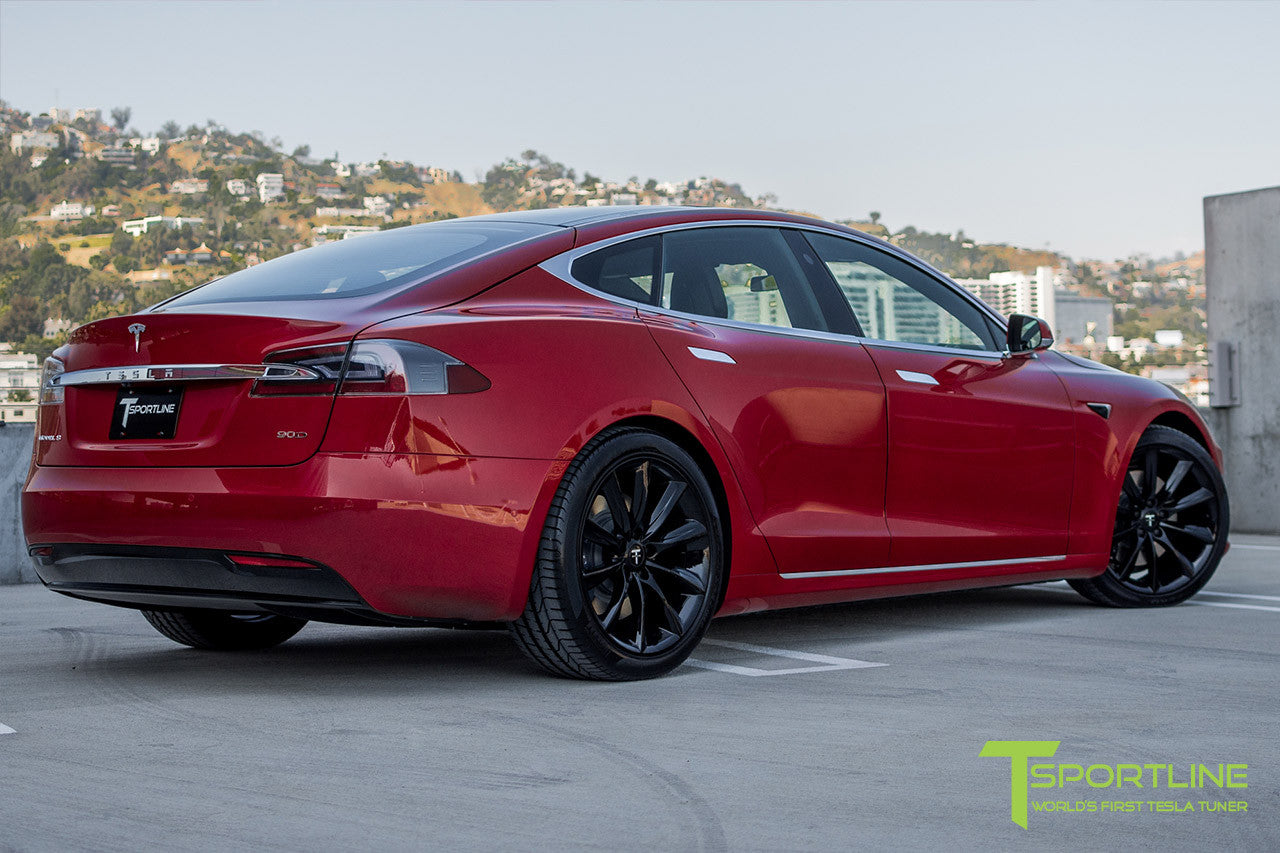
{"points": [[1028, 334]]}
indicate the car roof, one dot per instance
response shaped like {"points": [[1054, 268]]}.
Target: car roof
{"points": [[572, 217]]}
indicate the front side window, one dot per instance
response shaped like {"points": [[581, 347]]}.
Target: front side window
{"points": [[746, 274], [895, 301]]}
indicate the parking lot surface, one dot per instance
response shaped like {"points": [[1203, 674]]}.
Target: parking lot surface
{"points": [[826, 728]]}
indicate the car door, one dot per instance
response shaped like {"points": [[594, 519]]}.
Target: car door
{"points": [[981, 446], [799, 410]]}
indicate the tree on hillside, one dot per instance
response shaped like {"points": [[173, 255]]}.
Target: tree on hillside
{"points": [[120, 117], [169, 130], [875, 217]]}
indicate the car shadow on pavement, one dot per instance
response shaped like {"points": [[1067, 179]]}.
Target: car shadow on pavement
{"points": [[326, 660]]}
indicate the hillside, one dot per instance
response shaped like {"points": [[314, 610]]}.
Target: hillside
{"points": [[74, 196]]}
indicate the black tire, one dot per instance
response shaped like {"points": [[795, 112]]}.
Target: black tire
{"points": [[1171, 525], [218, 630], [618, 593]]}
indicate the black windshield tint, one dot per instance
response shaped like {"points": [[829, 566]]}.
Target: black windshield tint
{"points": [[362, 265]]}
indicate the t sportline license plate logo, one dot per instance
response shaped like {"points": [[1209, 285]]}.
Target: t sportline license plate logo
{"points": [[1154, 785]]}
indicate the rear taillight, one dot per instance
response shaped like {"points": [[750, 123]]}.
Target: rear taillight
{"points": [[373, 367], [403, 367], [51, 394], [322, 368]]}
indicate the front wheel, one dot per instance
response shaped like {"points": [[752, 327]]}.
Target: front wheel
{"points": [[1171, 525], [630, 565], [217, 630]]}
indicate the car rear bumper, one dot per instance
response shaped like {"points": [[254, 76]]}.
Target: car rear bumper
{"points": [[403, 535]]}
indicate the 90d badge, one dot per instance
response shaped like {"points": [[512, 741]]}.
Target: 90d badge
{"points": [[288, 433]]}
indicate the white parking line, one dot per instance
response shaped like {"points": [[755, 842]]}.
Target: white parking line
{"points": [[1235, 545], [828, 663], [1236, 606], [5, 730], [1239, 595], [1061, 586]]}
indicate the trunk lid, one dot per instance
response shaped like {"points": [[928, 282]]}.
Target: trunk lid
{"points": [[219, 422]]}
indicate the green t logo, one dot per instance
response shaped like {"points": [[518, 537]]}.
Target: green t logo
{"points": [[1018, 751]]}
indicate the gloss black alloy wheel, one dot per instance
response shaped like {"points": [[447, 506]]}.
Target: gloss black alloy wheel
{"points": [[1170, 528], [630, 565]]}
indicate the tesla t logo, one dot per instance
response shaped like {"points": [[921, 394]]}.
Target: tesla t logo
{"points": [[136, 329], [636, 554], [131, 407]]}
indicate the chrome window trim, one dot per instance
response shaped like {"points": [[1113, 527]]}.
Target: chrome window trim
{"points": [[561, 267], [183, 373], [929, 567]]}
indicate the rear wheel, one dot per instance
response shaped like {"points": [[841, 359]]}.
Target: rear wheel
{"points": [[1171, 525], [630, 564], [221, 631]]}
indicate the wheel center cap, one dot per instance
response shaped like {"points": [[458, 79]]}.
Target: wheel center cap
{"points": [[635, 554], [1150, 519]]}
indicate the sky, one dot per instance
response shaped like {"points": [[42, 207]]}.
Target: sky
{"points": [[1092, 128]]}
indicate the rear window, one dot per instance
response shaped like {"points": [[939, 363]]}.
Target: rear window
{"points": [[363, 265]]}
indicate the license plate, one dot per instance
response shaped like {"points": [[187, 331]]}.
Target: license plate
{"points": [[146, 413]]}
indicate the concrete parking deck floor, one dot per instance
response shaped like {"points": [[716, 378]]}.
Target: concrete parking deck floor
{"points": [[348, 738]]}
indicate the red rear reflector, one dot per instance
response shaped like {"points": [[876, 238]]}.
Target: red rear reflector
{"points": [[259, 560], [43, 551]]}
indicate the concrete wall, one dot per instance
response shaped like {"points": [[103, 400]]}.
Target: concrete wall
{"points": [[1242, 281], [15, 457]]}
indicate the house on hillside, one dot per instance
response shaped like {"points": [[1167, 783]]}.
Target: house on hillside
{"points": [[239, 187], [32, 140], [189, 186], [138, 227], [270, 186]]}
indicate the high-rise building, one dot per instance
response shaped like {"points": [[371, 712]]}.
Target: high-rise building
{"points": [[1017, 293]]}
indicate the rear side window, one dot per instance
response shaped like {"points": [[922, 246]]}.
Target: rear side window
{"points": [[366, 264], [626, 270]]}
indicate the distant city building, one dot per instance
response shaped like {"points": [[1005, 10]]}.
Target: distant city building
{"points": [[111, 210], [60, 116], [33, 140], [1080, 317], [1115, 343], [189, 186], [329, 190], [1168, 337], [90, 115], [238, 187], [19, 376], [138, 227], [341, 170], [622, 199], [367, 170], [270, 186]]}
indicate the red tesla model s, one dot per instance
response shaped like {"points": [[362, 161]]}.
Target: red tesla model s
{"points": [[599, 427]]}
